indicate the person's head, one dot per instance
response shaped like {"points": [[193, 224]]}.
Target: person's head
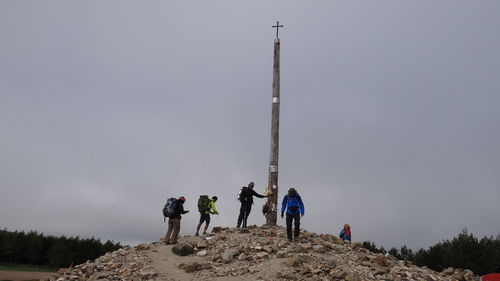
{"points": [[182, 199], [214, 198], [251, 185], [292, 192], [347, 227]]}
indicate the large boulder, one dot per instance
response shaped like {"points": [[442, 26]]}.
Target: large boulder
{"points": [[182, 249], [192, 267], [281, 254], [381, 260], [229, 255], [262, 255], [217, 229], [142, 246], [202, 243], [268, 249], [353, 276]]}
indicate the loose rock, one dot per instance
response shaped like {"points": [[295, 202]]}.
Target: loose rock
{"points": [[142, 246], [229, 255], [183, 249], [247, 255]]}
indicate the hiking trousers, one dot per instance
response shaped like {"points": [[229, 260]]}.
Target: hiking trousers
{"points": [[296, 219], [245, 209], [174, 227]]}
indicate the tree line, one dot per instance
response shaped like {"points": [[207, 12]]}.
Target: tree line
{"points": [[34, 248], [464, 251]]}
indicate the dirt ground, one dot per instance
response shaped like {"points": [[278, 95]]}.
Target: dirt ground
{"points": [[167, 264], [24, 275]]}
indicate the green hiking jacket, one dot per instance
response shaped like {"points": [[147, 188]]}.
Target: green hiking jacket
{"points": [[212, 209]]}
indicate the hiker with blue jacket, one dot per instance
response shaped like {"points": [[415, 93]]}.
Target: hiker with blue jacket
{"points": [[345, 233], [246, 198], [294, 207]]}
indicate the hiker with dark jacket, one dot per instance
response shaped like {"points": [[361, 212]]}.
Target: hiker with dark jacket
{"points": [[174, 222], [292, 203], [246, 198], [205, 215], [345, 234]]}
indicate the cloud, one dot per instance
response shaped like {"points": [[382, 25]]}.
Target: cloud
{"points": [[388, 115]]}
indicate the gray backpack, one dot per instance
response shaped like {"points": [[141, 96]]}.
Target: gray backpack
{"points": [[169, 208]]}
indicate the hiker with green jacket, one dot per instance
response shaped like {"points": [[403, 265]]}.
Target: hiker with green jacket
{"points": [[206, 207]]}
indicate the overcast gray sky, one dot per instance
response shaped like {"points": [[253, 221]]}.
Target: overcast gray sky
{"points": [[390, 114]]}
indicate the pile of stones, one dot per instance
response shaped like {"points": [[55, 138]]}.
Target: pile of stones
{"points": [[232, 251], [124, 264], [249, 252]]}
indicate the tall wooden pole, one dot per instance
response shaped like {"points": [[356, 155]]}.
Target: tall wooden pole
{"points": [[272, 200]]}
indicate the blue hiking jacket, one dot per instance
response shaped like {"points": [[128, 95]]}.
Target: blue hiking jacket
{"points": [[344, 236], [294, 201]]}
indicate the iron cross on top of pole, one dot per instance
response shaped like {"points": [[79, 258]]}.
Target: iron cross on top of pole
{"points": [[277, 26]]}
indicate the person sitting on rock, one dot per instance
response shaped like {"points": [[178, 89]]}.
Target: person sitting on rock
{"points": [[345, 234], [174, 222], [205, 216], [246, 198], [294, 206]]}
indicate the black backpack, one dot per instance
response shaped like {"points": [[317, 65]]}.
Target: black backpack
{"points": [[170, 207], [244, 194]]}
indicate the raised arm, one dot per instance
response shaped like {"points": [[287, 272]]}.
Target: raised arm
{"points": [[257, 195]]}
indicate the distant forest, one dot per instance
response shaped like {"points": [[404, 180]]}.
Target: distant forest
{"points": [[464, 251], [37, 249]]}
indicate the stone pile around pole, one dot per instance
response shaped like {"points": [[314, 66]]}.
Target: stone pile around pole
{"points": [[255, 253]]}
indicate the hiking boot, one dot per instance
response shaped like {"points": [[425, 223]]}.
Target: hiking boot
{"points": [[197, 234], [204, 233]]}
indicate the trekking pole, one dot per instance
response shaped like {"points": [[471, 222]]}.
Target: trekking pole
{"points": [[245, 218]]}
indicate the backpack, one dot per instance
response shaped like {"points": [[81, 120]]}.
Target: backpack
{"points": [[170, 207], [244, 194], [203, 204], [239, 193], [293, 204]]}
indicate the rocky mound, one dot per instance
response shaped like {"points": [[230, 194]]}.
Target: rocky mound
{"points": [[255, 253]]}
